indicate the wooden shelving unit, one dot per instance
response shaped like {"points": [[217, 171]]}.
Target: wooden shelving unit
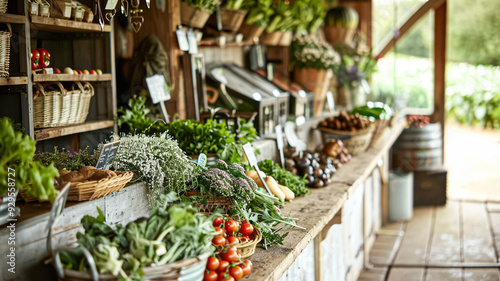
{"points": [[71, 77], [60, 25], [49, 133], [12, 18], [11, 81]]}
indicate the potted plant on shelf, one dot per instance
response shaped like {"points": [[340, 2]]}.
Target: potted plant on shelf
{"points": [[232, 15], [195, 13], [314, 62], [281, 25], [259, 15], [352, 86]]}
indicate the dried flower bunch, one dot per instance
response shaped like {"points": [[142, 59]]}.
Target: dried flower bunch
{"points": [[156, 160], [226, 180], [310, 52]]}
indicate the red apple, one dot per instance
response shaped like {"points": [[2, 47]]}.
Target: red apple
{"points": [[57, 71], [93, 72], [79, 71]]}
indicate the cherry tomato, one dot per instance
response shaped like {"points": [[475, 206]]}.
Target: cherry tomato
{"points": [[220, 231], [236, 272], [247, 267], [246, 229], [218, 221], [229, 278], [213, 263], [223, 265], [219, 240], [231, 255], [233, 240], [244, 239], [210, 276], [231, 226]]}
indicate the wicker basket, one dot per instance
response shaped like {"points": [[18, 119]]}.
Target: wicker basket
{"points": [[3, 6], [5, 50], [231, 19], [84, 104], [48, 105], [250, 31], [359, 142], [191, 16], [219, 202], [188, 270], [85, 191], [271, 38], [245, 249]]}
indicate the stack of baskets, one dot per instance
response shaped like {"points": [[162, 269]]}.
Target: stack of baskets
{"points": [[5, 47], [54, 107]]}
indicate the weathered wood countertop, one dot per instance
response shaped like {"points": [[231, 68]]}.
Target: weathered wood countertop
{"points": [[315, 211]]}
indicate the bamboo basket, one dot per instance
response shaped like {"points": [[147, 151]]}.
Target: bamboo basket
{"points": [[5, 49], [191, 269], [219, 202], [359, 142], [245, 249], [191, 16], [86, 191]]}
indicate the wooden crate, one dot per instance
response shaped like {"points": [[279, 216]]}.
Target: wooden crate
{"points": [[429, 188]]}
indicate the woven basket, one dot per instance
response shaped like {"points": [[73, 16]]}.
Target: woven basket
{"points": [[359, 142], [219, 202], [250, 31], [84, 104], [5, 49], [3, 6], [75, 96], [188, 269], [191, 16], [85, 191], [271, 38], [48, 105], [245, 249], [231, 19]]}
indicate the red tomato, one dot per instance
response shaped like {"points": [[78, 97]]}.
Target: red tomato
{"points": [[220, 231], [210, 276], [236, 272], [213, 263], [232, 240], [229, 278], [218, 221], [231, 226], [223, 265], [244, 239], [35, 59], [231, 255], [247, 267], [219, 240], [44, 58], [246, 229]]}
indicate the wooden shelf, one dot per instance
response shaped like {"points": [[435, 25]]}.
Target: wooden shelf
{"points": [[12, 18], [71, 77], [60, 25], [227, 45], [9, 81], [49, 133]]}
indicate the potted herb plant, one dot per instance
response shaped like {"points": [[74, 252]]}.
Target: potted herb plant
{"points": [[313, 61], [259, 15], [195, 13]]}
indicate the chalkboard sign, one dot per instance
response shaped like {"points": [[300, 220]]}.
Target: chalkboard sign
{"points": [[107, 155]]}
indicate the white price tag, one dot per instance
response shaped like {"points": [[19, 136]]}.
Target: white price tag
{"points": [[202, 160], [331, 102], [279, 142], [49, 70], [158, 89], [292, 138], [111, 4], [252, 160]]}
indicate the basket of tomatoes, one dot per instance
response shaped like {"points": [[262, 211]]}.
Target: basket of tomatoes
{"points": [[241, 235]]}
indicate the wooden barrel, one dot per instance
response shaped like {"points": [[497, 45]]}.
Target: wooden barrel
{"points": [[419, 149]]}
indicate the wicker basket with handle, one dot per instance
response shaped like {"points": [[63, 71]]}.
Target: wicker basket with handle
{"points": [[75, 96], [245, 249], [5, 50], [83, 106], [85, 191], [3, 6], [48, 105]]}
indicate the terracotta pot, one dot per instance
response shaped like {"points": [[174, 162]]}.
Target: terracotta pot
{"points": [[191, 16], [250, 31], [317, 81], [231, 19], [271, 39], [335, 35], [286, 39]]}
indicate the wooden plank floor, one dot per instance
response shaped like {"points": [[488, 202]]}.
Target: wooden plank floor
{"points": [[456, 242]]}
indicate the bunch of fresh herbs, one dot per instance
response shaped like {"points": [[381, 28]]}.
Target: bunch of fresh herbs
{"points": [[203, 4], [156, 160], [174, 231], [65, 159], [18, 171], [259, 12]]}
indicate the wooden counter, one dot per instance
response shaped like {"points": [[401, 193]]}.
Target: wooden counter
{"points": [[316, 212]]}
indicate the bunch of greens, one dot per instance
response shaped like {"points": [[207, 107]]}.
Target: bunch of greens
{"points": [[376, 110], [259, 12], [136, 120], [18, 171], [172, 232], [310, 15], [283, 18], [309, 52], [70, 161], [203, 4], [296, 184], [157, 160], [235, 4]]}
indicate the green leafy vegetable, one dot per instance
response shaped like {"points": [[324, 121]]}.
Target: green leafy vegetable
{"points": [[285, 177]]}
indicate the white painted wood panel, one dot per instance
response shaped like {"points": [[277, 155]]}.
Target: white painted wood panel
{"points": [[302, 268]]}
